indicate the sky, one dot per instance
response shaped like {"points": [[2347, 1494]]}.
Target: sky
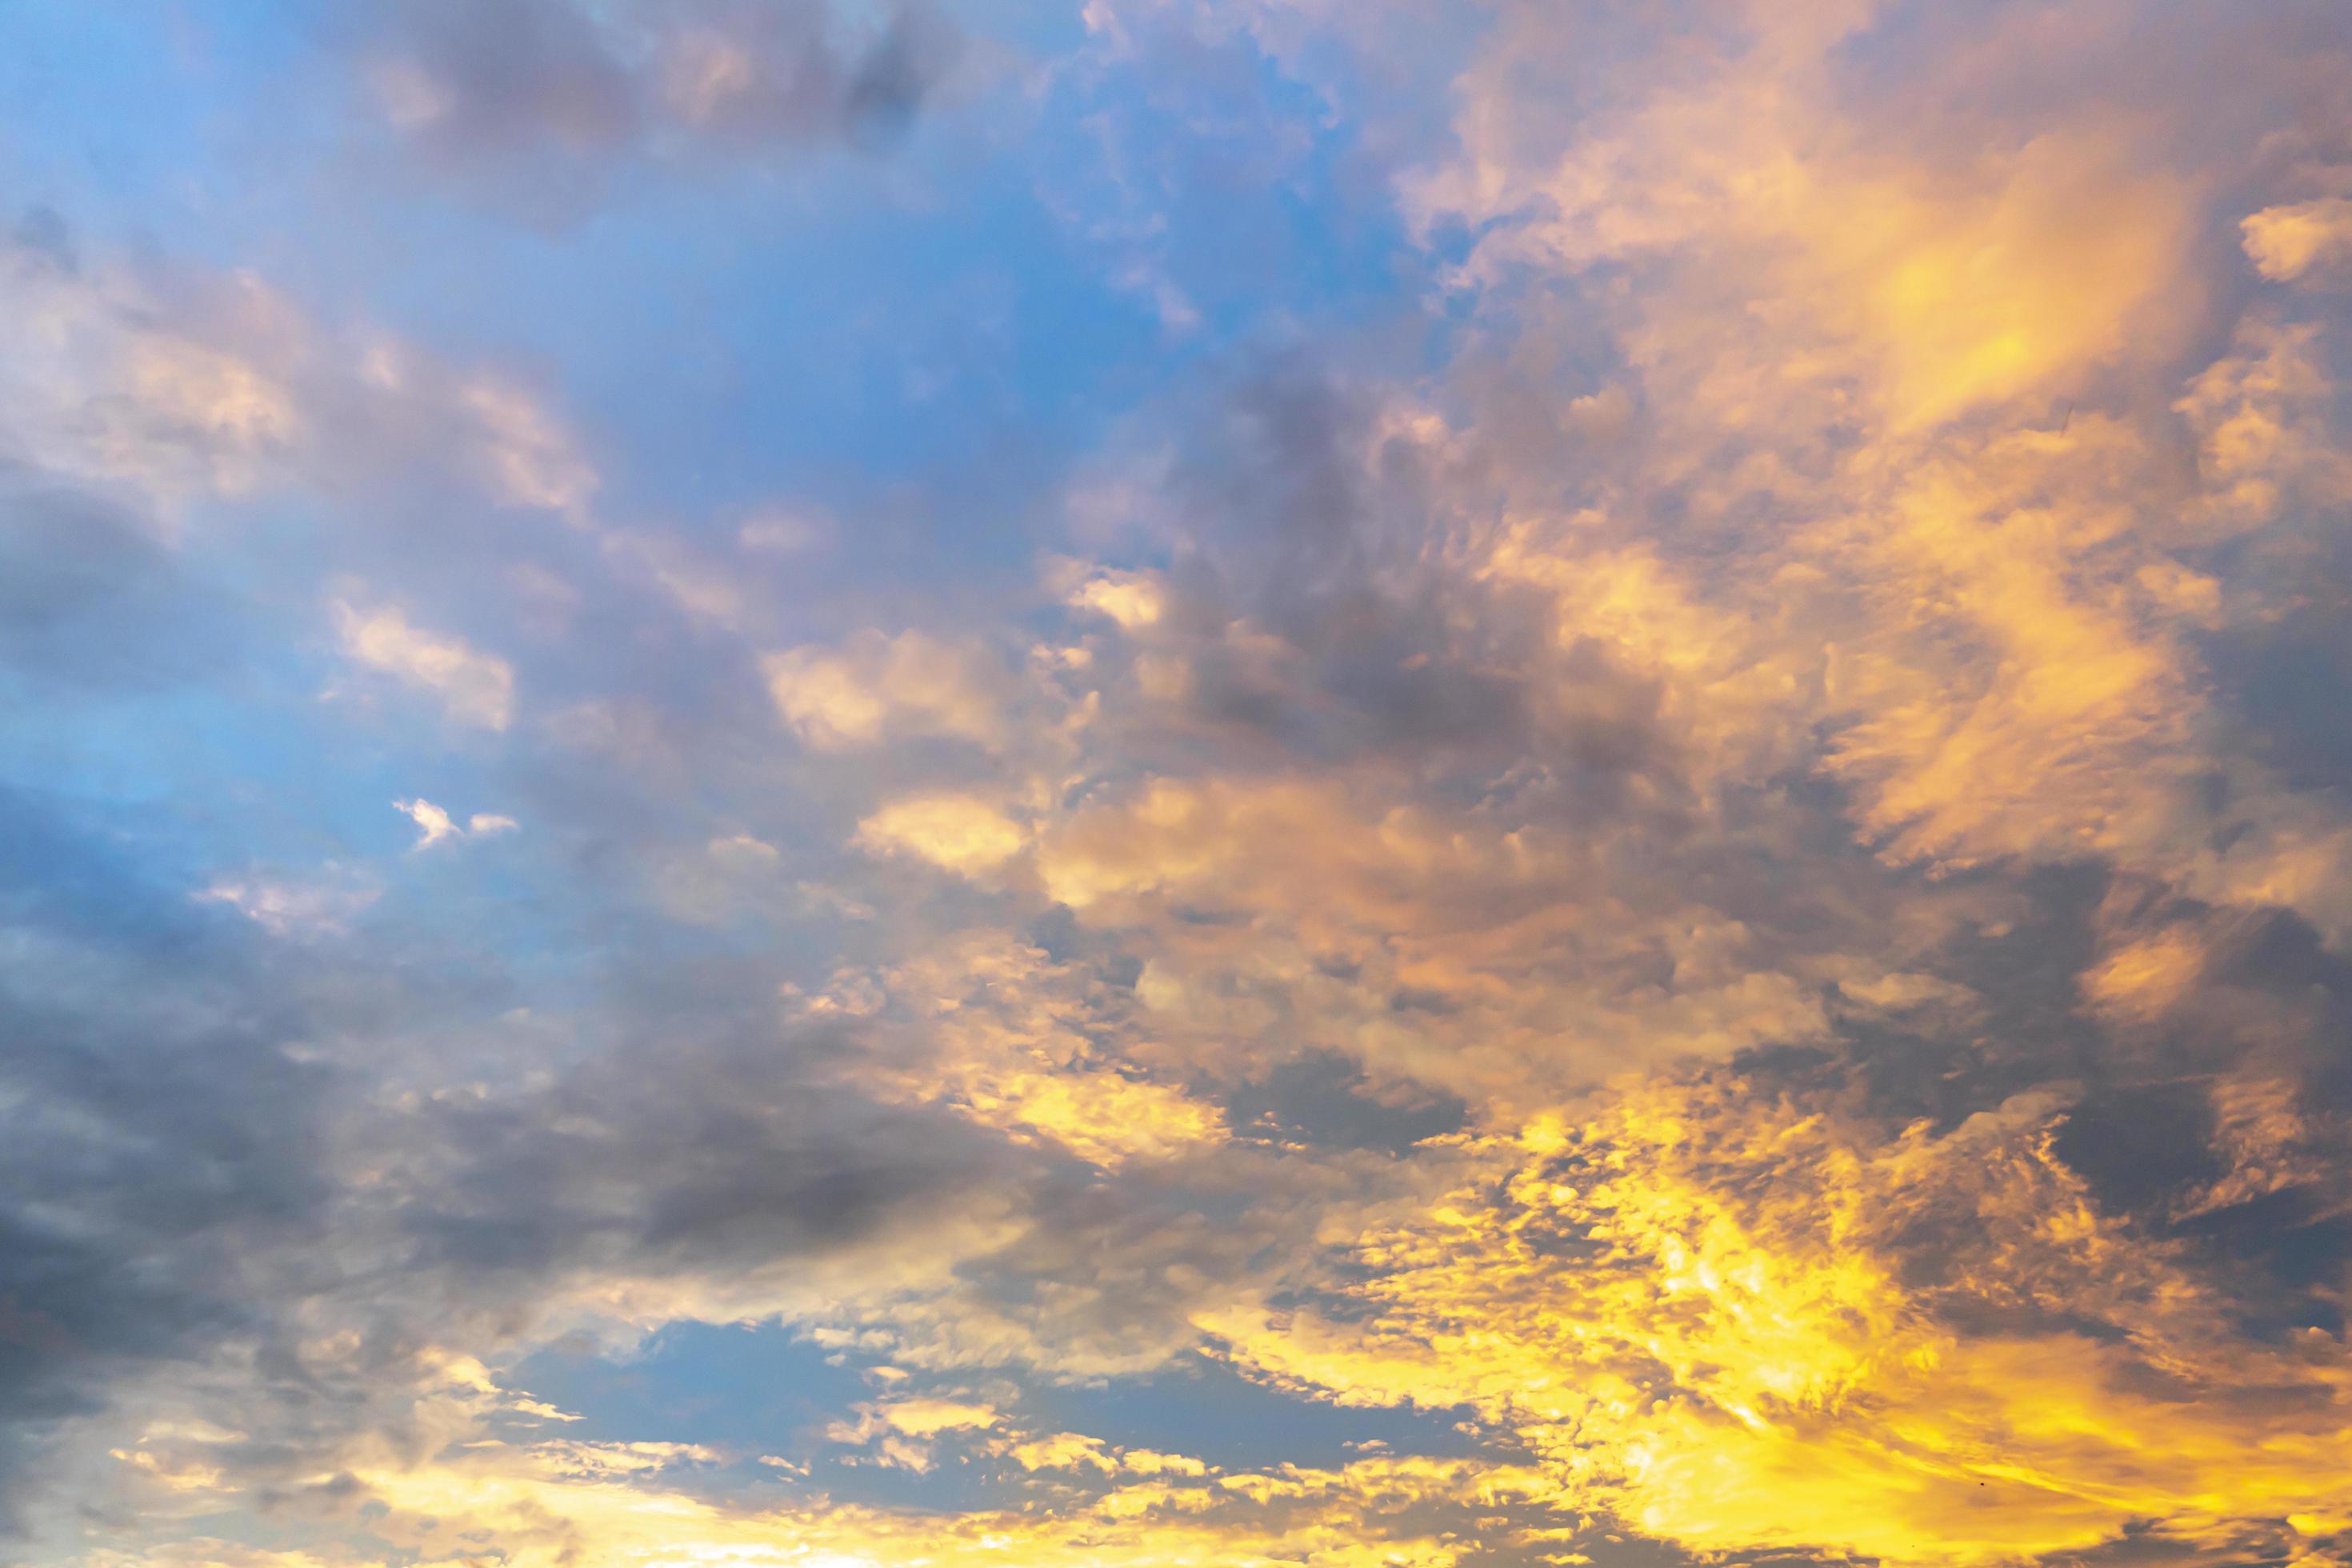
{"points": [[1123, 784]]}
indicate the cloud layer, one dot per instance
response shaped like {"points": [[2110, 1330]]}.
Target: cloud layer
{"points": [[1195, 783]]}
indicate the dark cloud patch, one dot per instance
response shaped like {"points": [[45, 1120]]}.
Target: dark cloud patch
{"points": [[2025, 1026], [892, 83], [2285, 678], [538, 101], [90, 598], [713, 1158], [208, 1159], [1324, 1097], [494, 76], [153, 1129], [2139, 1146], [2299, 1237], [1313, 626]]}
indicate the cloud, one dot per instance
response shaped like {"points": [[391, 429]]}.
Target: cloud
{"points": [[163, 385], [474, 688], [286, 908], [1131, 599], [93, 600], [877, 688], [1634, 1302], [956, 832], [432, 823], [2290, 242], [531, 99], [433, 826], [544, 1499]]}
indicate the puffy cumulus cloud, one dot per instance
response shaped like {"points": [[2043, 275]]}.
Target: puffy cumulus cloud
{"points": [[99, 388], [1129, 600], [1509, 954], [877, 688], [1920, 284], [2295, 239], [897, 1431]]}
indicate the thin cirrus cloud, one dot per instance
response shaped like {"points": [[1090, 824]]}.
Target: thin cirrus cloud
{"points": [[1586, 808]]}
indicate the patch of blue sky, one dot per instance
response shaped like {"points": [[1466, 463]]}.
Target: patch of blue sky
{"points": [[957, 316], [748, 1390], [135, 118], [754, 1390]]}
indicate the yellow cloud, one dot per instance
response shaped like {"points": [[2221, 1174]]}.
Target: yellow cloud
{"points": [[959, 833], [2292, 241], [1694, 1307], [2140, 979], [544, 1506], [876, 686], [1132, 599], [1003, 1040]]}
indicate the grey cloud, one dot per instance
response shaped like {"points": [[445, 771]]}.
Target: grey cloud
{"points": [[1323, 1098], [1314, 624], [541, 99], [90, 599], [154, 1131], [207, 1161], [2139, 1144], [720, 1156], [494, 75]]}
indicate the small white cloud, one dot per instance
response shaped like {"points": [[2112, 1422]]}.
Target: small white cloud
{"points": [[432, 823], [475, 688], [541, 1408], [435, 825]]}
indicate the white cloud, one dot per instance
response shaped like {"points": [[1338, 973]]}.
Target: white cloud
{"points": [[475, 688], [433, 825]]}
